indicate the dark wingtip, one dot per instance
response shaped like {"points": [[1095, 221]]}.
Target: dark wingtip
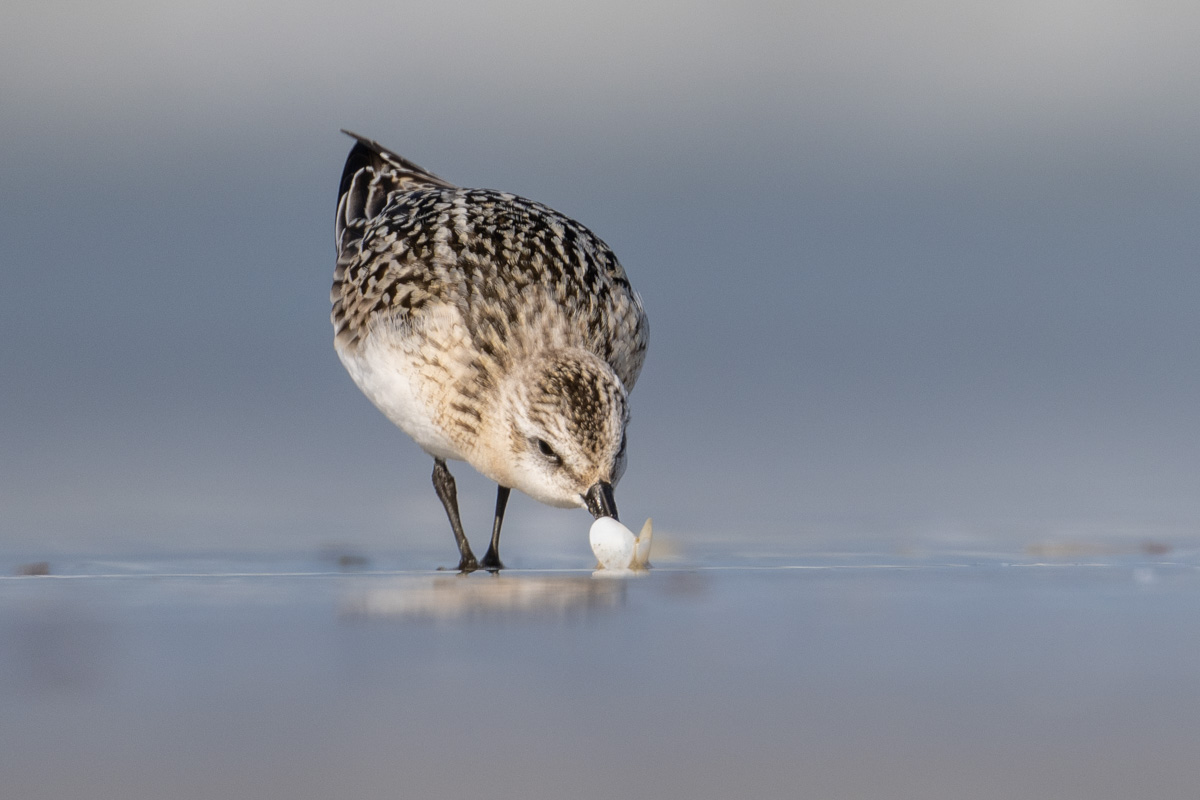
{"points": [[368, 152], [365, 153], [362, 139]]}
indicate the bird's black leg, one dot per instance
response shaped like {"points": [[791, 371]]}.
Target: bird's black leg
{"points": [[491, 560], [443, 483]]}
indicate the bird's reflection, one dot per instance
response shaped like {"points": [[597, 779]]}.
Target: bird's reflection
{"points": [[459, 597]]}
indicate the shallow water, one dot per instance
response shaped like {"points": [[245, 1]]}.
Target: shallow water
{"points": [[943, 675]]}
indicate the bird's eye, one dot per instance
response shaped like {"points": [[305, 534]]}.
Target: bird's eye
{"points": [[548, 452]]}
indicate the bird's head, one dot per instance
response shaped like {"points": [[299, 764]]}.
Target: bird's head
{"points": [[563, 415]]}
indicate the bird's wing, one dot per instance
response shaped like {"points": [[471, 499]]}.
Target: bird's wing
{"points": [[366, 279], [409, 240], [371, 175]]}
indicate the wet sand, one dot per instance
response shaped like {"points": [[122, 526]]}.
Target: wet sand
{"points": [[944, 675]]}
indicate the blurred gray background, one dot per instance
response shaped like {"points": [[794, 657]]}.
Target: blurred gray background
{"points": [[915, 272]]}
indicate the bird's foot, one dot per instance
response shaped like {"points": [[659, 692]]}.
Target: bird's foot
{"points": [[491, 561], [466, 565]]}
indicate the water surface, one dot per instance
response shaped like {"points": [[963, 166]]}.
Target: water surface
{"points": [[943, 675]]}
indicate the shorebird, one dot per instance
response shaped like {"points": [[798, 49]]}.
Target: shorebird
{"points": [[491, 329]]}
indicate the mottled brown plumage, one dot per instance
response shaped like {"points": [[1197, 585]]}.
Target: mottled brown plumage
{"points": [[489, 327]]}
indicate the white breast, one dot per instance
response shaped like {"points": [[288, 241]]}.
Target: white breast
{"points": [[392, 368]]}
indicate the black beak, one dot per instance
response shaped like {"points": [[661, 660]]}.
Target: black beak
{"points": [[600, 500]]}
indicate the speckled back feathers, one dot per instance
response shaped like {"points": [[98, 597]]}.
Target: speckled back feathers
{"points": [[521, 274]]}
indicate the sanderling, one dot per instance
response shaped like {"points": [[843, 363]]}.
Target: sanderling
{"points": [[491, 329]]}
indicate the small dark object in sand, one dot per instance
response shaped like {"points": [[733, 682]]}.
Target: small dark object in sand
{"points": [[34, 568], [344, 557], [352, 561]]}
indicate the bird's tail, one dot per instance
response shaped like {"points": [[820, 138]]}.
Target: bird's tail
{"points": [[371, 174]]}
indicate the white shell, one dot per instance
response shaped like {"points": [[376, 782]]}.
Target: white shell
{"points": [[616, 548], [612, 543], [641, 548]]}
